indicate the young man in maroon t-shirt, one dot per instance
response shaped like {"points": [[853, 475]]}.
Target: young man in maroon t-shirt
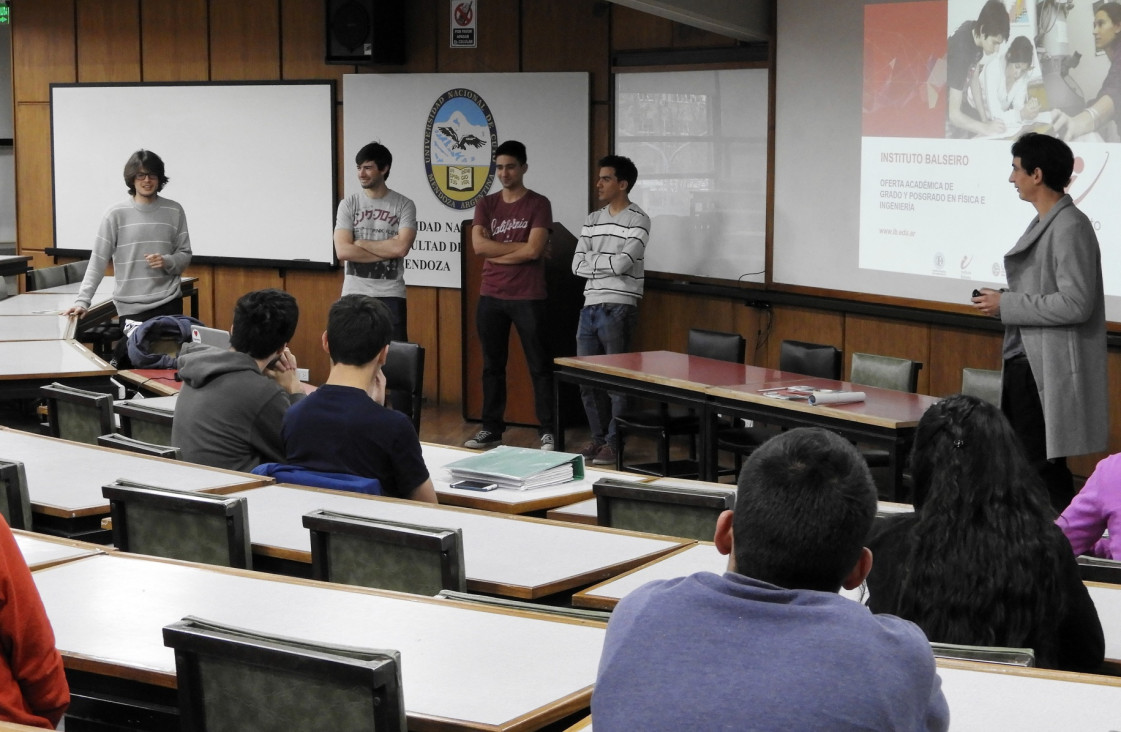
{"points": [[510, 231]]}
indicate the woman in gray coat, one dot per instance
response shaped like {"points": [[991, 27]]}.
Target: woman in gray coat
{"points": [[1055, 381]]}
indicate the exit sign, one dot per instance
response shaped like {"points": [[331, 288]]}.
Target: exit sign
{"points": [[5, 13]]}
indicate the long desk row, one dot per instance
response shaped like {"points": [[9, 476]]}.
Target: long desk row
{"points": [[886, 418]]}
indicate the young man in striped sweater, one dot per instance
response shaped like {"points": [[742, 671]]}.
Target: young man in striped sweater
{"points": [[609, 256]]}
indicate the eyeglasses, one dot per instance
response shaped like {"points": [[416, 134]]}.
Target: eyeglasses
{"points": [[147, 176]]}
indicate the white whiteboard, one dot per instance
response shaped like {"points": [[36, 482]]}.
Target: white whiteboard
{"points": [[253, 165]]}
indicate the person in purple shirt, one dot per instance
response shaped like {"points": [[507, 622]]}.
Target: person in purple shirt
{"points": [[770, 644]]}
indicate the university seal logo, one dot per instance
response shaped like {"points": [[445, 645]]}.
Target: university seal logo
{"points": [[459, 142]]}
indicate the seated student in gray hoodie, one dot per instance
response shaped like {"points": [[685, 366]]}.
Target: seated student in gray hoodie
{"points": [[233, 401]]}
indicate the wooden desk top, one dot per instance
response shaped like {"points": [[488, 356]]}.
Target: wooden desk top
{"points": [[505, 555], [41, 551], [104, 288], [700, 557], [882, 407], [65, 478], [36, 327], [584, 512], [986, 696], [668, 368], [13, 264], [49, 359], [461, 666], [1107, 599], [508, 500], [49, 304], [164, 404], [156, 381]]}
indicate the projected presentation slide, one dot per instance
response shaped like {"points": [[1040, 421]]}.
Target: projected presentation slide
{"points": [[947, 87]]}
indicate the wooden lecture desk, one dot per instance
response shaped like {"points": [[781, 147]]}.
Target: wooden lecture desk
{"points": [[160, 382], [51, 304], [508, 500], [462, 666], [663, 375], [105, 290], [986, 696], [27, 365], [887, 418], [48, 327], [41, 551], [503, 555], [64, 479]]}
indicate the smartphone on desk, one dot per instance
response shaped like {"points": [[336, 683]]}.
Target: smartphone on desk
{"points": [[474, 485]]}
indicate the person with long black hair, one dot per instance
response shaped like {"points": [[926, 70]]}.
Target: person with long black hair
{"points": [[980, 561]]}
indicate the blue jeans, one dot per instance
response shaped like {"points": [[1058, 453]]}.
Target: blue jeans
{"points": [[605, 328], [493, 318]]}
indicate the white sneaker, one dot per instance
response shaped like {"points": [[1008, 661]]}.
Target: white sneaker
{"points": [[547, 441]]}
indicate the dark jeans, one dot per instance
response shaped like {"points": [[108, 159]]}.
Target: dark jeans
{"points": [[493, 318], [1019, 400], [605, 328], [399, 311]]}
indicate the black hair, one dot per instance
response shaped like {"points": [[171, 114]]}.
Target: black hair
{"points": [[514, 149], [1050, 155], [264, 321], [375, 153], [993, 20], [1113, 10], [982, 567], [148, 162], [624, 168], [1020, 51], [805, 504], [358, 328]]}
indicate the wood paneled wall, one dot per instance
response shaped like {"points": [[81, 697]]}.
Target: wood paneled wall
{"points": [[199, 40]]}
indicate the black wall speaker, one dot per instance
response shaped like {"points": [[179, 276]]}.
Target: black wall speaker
{"points": [[365, 32]]}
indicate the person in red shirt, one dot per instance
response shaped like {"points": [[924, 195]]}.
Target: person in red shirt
{"points": [[33, 688]]}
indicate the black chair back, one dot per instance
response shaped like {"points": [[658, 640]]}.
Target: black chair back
{"points": [[810, 359], [669, 510], [714, 344], [885, 372], [121, 442], [404, 379], [14, 502], [77, 414]]}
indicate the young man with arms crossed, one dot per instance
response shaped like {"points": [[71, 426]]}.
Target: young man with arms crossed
{"points": [[374, 230], [229, 412], [510, 231], [770, 644], [610, 256], [342, 426]]}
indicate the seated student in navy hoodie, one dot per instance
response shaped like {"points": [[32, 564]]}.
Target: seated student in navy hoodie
{"points": [[229, 412], [770, 645], [343, 427]]}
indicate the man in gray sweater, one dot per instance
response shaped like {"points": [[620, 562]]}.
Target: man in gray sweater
{"points": [[233, 401]]}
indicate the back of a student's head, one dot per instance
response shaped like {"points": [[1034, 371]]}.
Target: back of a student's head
{"points": [[805, 504], [264, 321], [358, 328]]}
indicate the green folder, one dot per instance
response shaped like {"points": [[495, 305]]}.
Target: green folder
{"points": [[520, 467]]}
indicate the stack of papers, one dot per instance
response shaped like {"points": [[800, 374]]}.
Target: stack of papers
{"points": [[520, 468]]}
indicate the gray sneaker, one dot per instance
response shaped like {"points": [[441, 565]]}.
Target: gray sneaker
{"points": [[484, 440], [547, 441]]}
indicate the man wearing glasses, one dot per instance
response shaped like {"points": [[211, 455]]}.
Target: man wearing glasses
{"points": [[146, 238]]}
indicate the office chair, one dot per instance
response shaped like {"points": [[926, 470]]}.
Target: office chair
{"points": [[77, 414], [885, 372], [15, 505], [234, 679], [164, 522], [670, 510], [75, 271], [121, 442], [404, 379], [796, 357], [664, 421], [388, 555], [143, 423], [41, 278], [983, 384]]}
